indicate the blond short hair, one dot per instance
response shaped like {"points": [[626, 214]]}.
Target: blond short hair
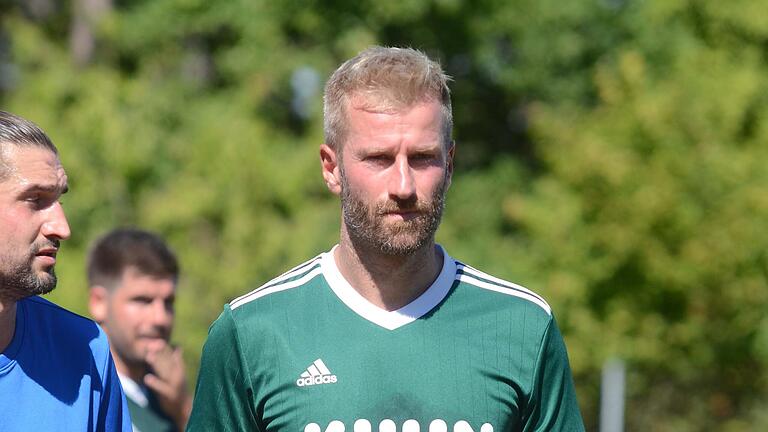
{"points": [[388, 80]]}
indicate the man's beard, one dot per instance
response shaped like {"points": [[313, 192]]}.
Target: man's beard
{"points": [[19, 280], [401, 238]]}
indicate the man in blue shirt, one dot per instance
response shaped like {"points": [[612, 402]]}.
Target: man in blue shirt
{"points": [[56, 373]]}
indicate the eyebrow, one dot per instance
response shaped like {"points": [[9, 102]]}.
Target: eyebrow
{"points": [[49, 188], [418, 147]]}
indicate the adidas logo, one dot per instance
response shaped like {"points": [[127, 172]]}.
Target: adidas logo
{"points": [[316, 373]]}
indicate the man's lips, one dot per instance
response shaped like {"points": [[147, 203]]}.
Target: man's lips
{"points": [[151, 336], [47, 254], [153, 343], [402, 214]]}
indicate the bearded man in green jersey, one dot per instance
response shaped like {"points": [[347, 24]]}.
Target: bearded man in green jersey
{"points": [[386, 331]]}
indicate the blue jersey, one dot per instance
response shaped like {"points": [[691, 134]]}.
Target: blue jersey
{"points": [[57, 374]]}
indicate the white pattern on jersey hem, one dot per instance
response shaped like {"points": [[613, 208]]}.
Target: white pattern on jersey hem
{"points": [[389, 320]]}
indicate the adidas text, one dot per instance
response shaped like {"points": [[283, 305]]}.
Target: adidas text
{"points": [[322, 379]]}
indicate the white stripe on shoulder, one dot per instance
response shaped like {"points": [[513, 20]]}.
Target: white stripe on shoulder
{"points": [[276, 284], [295, 271], [464, 273], [473, 271], [261, 292]]}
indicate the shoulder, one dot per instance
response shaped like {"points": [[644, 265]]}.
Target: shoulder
{"points": [[515, 314], [41, 309], [66, 328], [499, 290], [272, 305], [285, 284]]}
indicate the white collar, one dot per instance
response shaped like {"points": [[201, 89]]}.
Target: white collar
{"points": [[389, 320], [133, 390]]}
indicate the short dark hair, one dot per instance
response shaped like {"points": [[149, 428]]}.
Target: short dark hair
{"points": [[21, 132], [121, 248]]}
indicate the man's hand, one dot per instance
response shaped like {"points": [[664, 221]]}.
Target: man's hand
{"points": [[168, 381]]}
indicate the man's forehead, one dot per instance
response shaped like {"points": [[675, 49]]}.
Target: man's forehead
{"points": [[385, 102], [30, 168], [133, 276], [22, 159], [423, 115]]}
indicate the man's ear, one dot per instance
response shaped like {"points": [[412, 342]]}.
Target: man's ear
{"points": [[97, 303], [330, 165], [449, 161]]}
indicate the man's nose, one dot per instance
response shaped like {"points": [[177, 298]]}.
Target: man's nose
{"points": [[56, 224], [402, 183], [162, 316]]}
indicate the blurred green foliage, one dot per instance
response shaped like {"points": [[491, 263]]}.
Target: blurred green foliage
{"points": [[612, 155]]}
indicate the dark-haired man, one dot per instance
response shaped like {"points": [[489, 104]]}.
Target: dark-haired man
{"points": [[132, 275], [56, 373], [386, 331]]}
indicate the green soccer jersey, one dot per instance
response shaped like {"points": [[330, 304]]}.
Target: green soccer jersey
{"points": [[146, 414], [306, 353]]}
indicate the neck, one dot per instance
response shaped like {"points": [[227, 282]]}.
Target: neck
{"points": [[388, 281], [7, 322], [134, 372]]}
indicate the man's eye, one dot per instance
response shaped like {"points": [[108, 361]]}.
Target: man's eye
{"points": [[35, 201], [143, 300], [378, 158], [41, 201], [423, 158]]}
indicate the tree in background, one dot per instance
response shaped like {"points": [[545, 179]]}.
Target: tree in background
{"points": [[612, 156]]}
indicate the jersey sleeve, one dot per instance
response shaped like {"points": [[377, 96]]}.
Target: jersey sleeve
{"points": [[553, 406], [223, 393], [113, 413]]}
